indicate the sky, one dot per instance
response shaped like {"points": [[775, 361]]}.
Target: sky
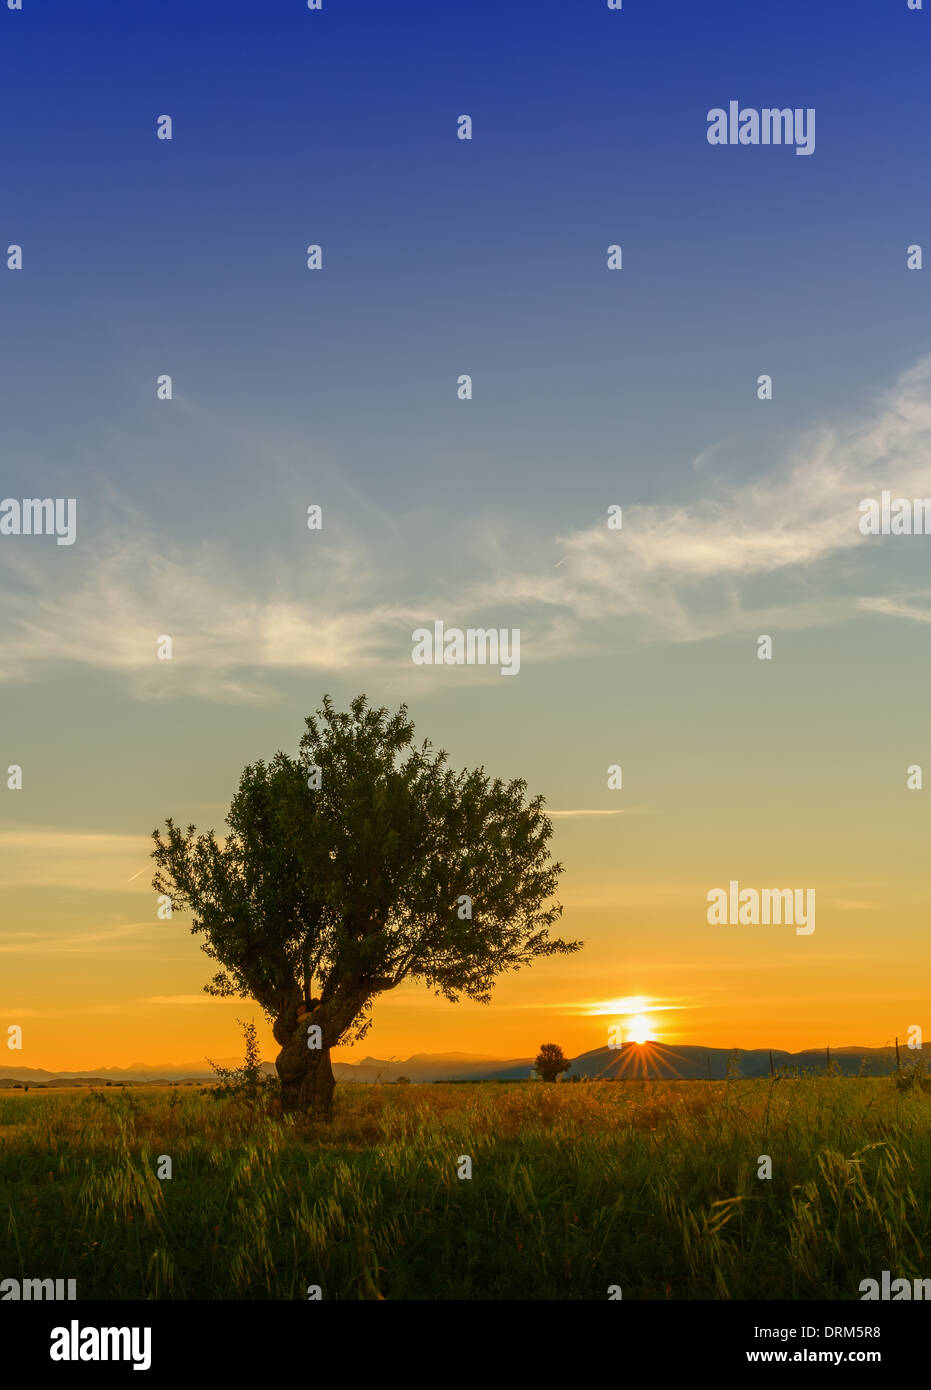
{"points": [[591, 388]]}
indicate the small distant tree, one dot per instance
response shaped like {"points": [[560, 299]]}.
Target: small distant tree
{"points": [[551, 1061]]}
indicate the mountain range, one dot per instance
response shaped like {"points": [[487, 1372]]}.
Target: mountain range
{"points": [[685, 1062]]}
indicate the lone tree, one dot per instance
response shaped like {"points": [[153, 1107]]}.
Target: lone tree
{"points": [[551, 1061], [363, 862]]}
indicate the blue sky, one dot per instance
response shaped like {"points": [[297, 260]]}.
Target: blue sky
{"points": [[444, 256]]}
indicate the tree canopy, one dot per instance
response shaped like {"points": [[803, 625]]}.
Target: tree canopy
{"points": [[362, 862], [551, 1062]]}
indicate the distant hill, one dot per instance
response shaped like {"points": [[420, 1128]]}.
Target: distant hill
{"points": [[425, 1066], [687, 1063], [101, 1076]]}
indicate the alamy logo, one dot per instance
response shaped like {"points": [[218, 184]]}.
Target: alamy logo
{"points": [[900, 517], [769, 126], [476, 646], [736, 906], [871, 1289], [40, 516], [76, 1343], [26, 1289]]}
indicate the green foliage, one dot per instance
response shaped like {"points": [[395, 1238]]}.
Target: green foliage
{"points": [[551, 1061], [911, 1076], [656, 1179], [246, 1083], [346, 890]]}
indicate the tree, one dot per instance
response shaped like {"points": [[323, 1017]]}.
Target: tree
{"points": [[551, 1061], [364, 862]]}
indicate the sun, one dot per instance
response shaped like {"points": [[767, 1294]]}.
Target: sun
{"points": [[632, 1018], [640, 1030]]}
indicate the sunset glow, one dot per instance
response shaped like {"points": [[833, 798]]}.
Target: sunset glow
{"points": [[639, 1030]]}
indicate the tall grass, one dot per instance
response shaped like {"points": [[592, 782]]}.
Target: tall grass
{"points": [[650, 1185]]}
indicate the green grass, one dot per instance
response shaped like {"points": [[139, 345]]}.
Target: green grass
{"points": [[649, 1185]]}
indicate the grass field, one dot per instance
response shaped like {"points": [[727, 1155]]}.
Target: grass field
{"points": [[652, 1186]]}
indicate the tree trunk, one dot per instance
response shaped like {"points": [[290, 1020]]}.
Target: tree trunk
{"points": [[307, 1080]]}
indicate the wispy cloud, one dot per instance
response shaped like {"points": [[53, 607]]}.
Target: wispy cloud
{"points": [[183, 999], [782, 549], [902, 606], [97, 941], [53, 858], [688, 569]]}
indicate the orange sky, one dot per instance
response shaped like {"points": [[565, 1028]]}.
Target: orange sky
{"points": [[785, 777], [127, 988]]}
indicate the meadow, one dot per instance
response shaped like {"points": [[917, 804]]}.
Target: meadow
{"points": [[652, 1186]]}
